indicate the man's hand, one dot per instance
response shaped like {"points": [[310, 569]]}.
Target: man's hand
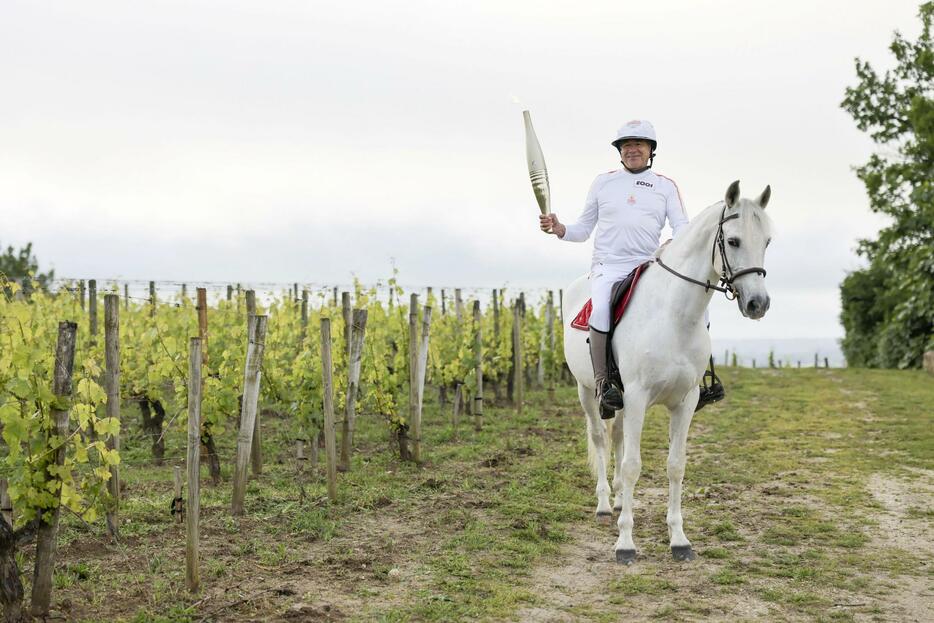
{"points": [[550, 225]]}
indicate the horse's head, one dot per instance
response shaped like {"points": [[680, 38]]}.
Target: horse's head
{"points": [[745, 233]]}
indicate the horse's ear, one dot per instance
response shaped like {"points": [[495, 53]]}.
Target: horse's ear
{"points": [[763, 199], [732, 194]]}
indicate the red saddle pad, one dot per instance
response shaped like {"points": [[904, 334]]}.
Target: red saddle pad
{"points": [[582, 320]]}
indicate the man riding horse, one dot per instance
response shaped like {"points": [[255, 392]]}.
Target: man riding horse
{"points": [[628, 207]]}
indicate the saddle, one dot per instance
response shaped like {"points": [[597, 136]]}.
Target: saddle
{"points": [[620, 295]]}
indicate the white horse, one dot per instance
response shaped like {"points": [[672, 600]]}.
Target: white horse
{"points": [[662, 347]]}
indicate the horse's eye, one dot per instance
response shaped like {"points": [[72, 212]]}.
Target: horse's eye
{"points": [[733, 242]]}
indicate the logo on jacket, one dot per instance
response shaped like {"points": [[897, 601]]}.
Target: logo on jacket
{"points": [[632, 200], [644, 183]]}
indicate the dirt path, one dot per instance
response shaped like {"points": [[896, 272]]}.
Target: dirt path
{"points": [[585, 583]]}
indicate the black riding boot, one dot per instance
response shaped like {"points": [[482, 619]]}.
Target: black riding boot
{"points": [[712, 392], [609, 395]]}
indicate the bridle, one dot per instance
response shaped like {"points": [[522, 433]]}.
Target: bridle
{"points": [[727, 275]]}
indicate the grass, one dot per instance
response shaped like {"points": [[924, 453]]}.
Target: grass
{"points": [[775, 501]]}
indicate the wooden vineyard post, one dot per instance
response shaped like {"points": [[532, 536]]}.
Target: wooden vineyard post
{"points": [[250, 307], [304, 314], [518, 372], [347, 315], [256, 447], [202, 297], [328, 389], [294, 292], [152, 299], [82, 292], [229, 292], [458, 306], [455, 416], [47, 535], [184, 292], [92, 308], [421, 371], [112, 387], [193, 508], [251, 376], [443, 302], [353, 382], [550, 319], [540, 366], [478, 355], [335, 296], [126, 296], [413, 378]]}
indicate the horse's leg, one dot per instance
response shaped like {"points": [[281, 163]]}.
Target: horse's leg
{"points": [[677, 458], [631, 466], [596, 450], [617, 445]]}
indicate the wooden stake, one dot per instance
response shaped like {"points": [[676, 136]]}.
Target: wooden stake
{"points": [[152, 299], [82, 291], [458, 398], [413, 378], [47, 536], [347, 315], [193, 508], [518, 372], [329, 432], [92, 308], [126, 296], [251, 378], [304, 314], [256, 446], [550, 319], [478, 354], [112, 387], [229, 292], [353, 381], [421, 371], [458, 306], [202, 295]]}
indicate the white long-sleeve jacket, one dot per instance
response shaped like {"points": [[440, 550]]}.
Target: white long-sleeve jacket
{"points": [[629, 212]]}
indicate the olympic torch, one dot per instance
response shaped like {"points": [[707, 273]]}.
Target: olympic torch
{"points": [[538, 173]]}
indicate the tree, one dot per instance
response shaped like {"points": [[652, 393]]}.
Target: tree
{"points": [[16, 265], [888, 307]]}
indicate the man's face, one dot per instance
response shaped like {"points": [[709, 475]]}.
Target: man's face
{"points": [[635, 153]]}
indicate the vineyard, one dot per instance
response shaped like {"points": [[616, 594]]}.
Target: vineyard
{"points": [[227, 479], [72, 384]]}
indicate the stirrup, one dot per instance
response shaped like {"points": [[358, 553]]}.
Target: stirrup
{"points": [[610, 398], [711, 393]]}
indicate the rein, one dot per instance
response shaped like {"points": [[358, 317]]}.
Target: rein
{"points": [[727, 276]]}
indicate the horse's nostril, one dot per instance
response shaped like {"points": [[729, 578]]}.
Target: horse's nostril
{"points": [[753, 306]]}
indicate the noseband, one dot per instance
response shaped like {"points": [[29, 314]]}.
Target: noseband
{"points": [[727, 275]]}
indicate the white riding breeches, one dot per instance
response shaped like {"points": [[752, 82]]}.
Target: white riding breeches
{"points": [[602, 278]]}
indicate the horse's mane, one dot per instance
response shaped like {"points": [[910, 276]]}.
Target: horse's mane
{"points": [[704, 224]]}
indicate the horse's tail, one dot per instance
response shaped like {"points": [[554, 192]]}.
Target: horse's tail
{"points": [[607, 428]]}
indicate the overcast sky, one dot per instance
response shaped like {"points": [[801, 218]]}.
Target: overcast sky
{"points": [[309, 141]]}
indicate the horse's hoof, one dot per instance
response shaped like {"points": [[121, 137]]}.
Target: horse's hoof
{"points": [[604, 518], [625, 556], [682, 553]]}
